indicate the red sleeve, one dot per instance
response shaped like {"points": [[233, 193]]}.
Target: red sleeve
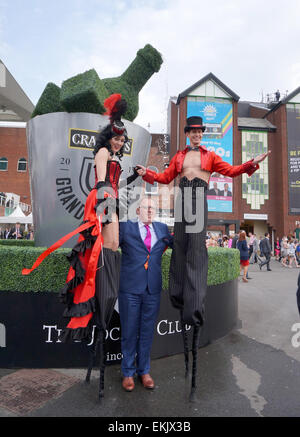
{"points": [[166, 177], [226, 169]]}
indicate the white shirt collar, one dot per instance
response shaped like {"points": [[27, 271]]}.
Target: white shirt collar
{"points": [[141, 224]]}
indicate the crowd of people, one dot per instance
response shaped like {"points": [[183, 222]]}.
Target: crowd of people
{"points": [[16, 233], [285, 250]]}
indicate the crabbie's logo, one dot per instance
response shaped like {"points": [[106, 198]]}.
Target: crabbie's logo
{"points": [[83, 139]]}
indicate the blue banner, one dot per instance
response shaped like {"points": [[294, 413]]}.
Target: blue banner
{"points": [[218, 137]]}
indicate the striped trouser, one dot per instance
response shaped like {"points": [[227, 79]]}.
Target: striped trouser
{"points": [[107, 285], [189, 261]]}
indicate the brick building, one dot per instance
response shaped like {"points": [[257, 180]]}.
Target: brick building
{"points": [[14, 174], [15, 110], [237, 131]]}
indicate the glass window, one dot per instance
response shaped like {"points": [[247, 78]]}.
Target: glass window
{"points": [[22, 164], [255, 189], [3, 164]]}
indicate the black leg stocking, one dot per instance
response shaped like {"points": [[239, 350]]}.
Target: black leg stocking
{"points": [[196, 336]]}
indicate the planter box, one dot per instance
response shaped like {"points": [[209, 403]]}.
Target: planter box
{"points": [[30, 324]]}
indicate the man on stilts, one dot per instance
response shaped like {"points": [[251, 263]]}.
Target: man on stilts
{"points": [[189, 262]]}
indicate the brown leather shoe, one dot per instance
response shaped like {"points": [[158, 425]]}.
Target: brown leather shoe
{"points": [[147, 381], [128, 383]]}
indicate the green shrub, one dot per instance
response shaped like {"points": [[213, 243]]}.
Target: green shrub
{"points": [[51, 275], [49, 101], [12, 242], [84, 92], [223, 265]]}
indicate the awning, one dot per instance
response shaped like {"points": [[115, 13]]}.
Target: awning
{"points": [[14, 103]]}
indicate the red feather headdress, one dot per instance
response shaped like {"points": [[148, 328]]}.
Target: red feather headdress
{"points": [[115, 107]]}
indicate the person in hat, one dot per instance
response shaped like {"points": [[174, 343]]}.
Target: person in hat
{"points": [[92, 283], [189, 262]]}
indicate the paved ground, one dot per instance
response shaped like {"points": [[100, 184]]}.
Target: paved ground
{"points": [[254, 371]]}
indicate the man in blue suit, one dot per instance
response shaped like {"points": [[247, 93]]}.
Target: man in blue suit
{"points": [[143, 243]]}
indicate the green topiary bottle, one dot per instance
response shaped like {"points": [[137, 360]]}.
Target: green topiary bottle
{"points": [[86, 92], [148, 61]]}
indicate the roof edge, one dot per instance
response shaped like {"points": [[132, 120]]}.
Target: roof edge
{"points": [[209, 76]]}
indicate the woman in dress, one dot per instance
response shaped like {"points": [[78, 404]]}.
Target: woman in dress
{"points": [[92, 284], [244, 254], [284, 251], [277, 249]]}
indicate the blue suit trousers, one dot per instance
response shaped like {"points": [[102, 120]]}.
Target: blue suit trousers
{"points": [[138, 315]]}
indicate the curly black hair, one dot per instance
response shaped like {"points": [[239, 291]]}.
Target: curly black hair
{"points": [[103, 137]]}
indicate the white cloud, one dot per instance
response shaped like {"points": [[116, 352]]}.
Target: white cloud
{"points": [[249, 45]]}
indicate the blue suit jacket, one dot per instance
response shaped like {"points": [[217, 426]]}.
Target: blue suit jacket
{"points": [[134, 277]]}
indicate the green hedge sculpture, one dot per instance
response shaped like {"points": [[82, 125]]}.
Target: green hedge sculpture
{"points": [[49, 101], [51, 274], [86, 92]]}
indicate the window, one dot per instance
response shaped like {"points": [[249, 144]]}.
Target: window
{"points": [[255, 189], [22, 164], [3, 164], [152, 189]]}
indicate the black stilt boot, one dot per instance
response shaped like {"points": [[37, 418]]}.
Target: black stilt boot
{"points": [[102, 363], [93, 353], [196, 336], [185, 345]]}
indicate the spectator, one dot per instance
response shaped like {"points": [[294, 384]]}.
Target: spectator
{"points": [[292, 254], [284, 251], [251, 238], [234, 241], [265, 249], [225, 241], [298, 252], [277, 248], [7, 233], [244, 254], [220, 240], [16, 232], [255, 247], [212, 242]]}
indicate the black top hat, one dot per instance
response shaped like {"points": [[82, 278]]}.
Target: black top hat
{"points": [[194, 122]]}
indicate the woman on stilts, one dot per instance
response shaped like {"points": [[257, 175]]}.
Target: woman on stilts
{"points": [[92, 284]]}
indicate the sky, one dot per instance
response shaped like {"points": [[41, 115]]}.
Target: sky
{"points": [[251, 46]]}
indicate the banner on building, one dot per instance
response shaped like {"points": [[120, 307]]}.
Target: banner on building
{"points": [[218, 137], [293, 134]]}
